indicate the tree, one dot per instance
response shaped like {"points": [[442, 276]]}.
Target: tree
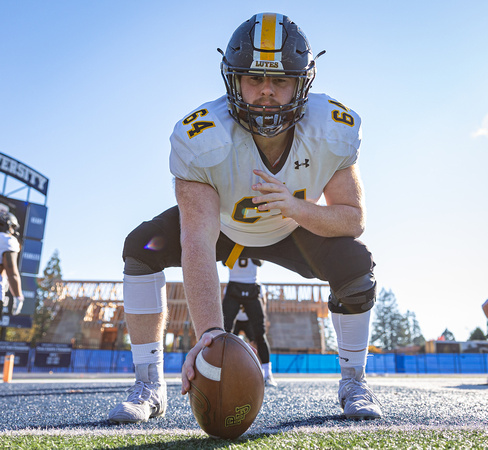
{"points": [[52, 275], [415, 333], [391, 329], [329, 335], [18, 334], [388, 327], [46, 297], [477, 335], [447, 336]]}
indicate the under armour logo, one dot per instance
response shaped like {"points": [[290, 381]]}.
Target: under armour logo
{"points": [[297, 164]]}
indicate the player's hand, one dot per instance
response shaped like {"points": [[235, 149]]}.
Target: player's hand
{"points": [[274, 195], [188, 369], [17, 304]]}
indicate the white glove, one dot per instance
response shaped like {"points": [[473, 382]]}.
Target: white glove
{"points": [[17, 305]]}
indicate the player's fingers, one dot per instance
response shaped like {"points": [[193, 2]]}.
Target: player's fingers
{"points": [[254, 349], [267, 201], [266, 177], [266, 188], [188, 369], [187, 374], [206, 339]]}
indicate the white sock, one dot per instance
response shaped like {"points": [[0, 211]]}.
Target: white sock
{"points": [[266, 368], [152, 353], [352, 338]]}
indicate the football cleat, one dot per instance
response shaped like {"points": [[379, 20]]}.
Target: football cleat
{"points": [[269, 381], [356, 397], [146, 400]]}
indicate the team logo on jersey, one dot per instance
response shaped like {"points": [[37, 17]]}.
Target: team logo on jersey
{"points": [[298, 164]]}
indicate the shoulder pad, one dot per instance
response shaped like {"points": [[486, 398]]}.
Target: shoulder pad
{"points": [[339, 125], [202, 138], [8, 243]]}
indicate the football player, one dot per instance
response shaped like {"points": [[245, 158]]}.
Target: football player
{"points": [[250, 168], [9, 270], [243, 290]]}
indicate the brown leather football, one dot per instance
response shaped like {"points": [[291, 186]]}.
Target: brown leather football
{"points": [[228, 389]]}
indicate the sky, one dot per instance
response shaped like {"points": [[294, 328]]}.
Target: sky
{"points": [[90, 92]]}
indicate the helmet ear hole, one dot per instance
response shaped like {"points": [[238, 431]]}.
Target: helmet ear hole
{"points": [[268, 44]]}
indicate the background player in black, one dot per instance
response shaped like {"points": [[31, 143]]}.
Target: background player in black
{"points": [[243, 290]]}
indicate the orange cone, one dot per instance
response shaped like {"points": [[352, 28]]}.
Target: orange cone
{"points": [[8, 368]]}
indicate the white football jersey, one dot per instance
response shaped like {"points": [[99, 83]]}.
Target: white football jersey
{"points": [[244, 271], [8, 243], [208, 146]]}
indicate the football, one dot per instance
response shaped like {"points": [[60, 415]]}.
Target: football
{"points": [[228, 389]]}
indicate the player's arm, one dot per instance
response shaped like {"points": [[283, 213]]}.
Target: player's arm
{"points": [[344, 214], [344, 195], [199, 206], [9, 262]]}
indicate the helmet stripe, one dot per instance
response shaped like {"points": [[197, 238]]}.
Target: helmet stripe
{"points": [[268, 34]]}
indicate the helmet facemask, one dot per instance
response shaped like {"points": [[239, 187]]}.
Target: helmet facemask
{"points": [[266, 121]]}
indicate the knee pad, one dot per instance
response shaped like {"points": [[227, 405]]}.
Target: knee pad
{"points": [[145, 294], [133, 266], [355, 297]]}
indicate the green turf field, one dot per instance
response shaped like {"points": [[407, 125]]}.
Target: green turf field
{"points": [[419, 412], [413, 439]]}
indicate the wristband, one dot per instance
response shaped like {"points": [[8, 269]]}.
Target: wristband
{"points": [[212, 329]]}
